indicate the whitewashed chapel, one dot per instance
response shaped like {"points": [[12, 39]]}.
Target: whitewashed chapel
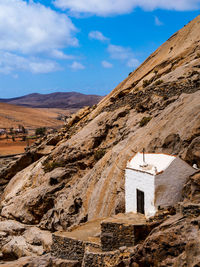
{"points": [[153, 181]]}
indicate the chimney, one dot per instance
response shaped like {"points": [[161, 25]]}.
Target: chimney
{"points": [[144, 163]]}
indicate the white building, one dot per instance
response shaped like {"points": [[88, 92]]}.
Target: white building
{"points": [[153, 181]]}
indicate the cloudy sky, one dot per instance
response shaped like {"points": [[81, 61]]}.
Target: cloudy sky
{"points": [[87, 46]]}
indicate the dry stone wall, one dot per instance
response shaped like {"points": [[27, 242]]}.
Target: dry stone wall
{"points": [[97, 258], [67, 248], [116, 235]]}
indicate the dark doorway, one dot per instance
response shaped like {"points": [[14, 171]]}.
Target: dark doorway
{"points": [[140, 201]]}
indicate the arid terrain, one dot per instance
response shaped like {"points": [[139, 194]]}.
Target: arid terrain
{"points": [[12, 116], [8, 147], [76, 175]]}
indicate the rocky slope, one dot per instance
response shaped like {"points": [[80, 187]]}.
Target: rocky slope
{"points": [[81, 176]]}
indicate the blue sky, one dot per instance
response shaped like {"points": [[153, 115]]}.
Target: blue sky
{"points": [[87, 46]]}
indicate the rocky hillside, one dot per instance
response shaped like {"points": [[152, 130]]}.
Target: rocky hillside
{"points": [[78, 174], [68, 100]]}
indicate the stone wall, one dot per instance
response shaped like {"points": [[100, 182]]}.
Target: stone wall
{"points": [[116, 235], [97, 258], [67, 248]]}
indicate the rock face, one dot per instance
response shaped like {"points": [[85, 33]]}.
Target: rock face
{"points": [[173, 243], [18, 240], [79, 173]]}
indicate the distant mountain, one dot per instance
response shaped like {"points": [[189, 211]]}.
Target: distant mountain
{"points": [[55, 100]]}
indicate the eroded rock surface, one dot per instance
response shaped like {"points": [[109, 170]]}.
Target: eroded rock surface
{"points": [[18, 240]]}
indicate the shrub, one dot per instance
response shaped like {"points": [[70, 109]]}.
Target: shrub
{"points": [[165, 97], [40, 131], [59, 118], [98, 154], [198, 55], [155, 72], [146, 83], [194, 72], [144, 121], [158, 82]]}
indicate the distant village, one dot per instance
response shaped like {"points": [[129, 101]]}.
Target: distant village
{"points": [[22, 132], [14, 132]]}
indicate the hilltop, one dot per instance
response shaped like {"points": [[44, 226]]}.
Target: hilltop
{"points": [[68, 100], [77, 175]]}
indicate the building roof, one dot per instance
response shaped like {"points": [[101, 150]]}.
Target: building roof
{"points": [[153, 163]]}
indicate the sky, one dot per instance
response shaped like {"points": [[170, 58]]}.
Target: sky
{"points": [[88, 46]]}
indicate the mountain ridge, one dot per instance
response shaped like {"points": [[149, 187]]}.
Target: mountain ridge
{"points": [[64, 100]]}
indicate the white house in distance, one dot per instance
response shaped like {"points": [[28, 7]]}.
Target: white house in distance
{"points": [[153, 181]]}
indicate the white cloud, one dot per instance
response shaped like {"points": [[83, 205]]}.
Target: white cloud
{"points": [[32, 28], [29, 29], [60, 55], [133, 63], [77, 66], [106, 64], [158, 22], [123, 54], [114, 7], [97, 36], [10, 62], [119, 52]]}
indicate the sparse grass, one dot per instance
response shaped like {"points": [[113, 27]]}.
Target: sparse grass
{"points": [[144, 121], [49, 166]]}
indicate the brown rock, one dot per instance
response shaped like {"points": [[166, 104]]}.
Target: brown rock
{"points": [[18, 240], [191, 190], [193, 152]]}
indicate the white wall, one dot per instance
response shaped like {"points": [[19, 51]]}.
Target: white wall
{"points": [[144, 182], [169, 184]]}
